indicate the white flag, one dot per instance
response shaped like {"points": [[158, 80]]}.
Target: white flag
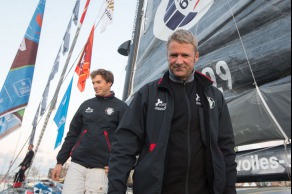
{"points": [[108, 14]]}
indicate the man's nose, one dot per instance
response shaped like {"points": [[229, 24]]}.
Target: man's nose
{"points": [[179, 60]]}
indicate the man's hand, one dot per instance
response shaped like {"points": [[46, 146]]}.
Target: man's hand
{"points": [[56, 172], [23, 167], [106, 169]]}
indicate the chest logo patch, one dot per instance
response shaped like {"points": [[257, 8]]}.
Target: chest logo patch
{"points": [[211, 102], [160, 106], [109, 111], [89, 110]]}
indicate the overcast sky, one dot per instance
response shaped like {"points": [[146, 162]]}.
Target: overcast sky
{"points": [[15, 17]]}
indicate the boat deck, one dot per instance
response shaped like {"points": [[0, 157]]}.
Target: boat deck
{"points": [[280, 190]]}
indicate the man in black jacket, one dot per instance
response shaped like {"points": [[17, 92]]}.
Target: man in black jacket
{"points": [[88, 141], [24, 165], [181, 129]]}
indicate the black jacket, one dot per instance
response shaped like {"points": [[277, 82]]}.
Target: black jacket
{"points": [[88, 141], [144, 131], [28, 159]]}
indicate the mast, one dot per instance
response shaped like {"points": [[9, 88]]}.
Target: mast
{"points": [[133, 49]]}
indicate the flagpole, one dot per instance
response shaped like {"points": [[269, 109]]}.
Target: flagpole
{"points": [[54, 101], [133, 50]]}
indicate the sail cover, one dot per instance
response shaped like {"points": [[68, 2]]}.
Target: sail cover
{"points": [[242, 44]]}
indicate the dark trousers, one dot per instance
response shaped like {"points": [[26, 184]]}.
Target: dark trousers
{"points": [[19, 176]]}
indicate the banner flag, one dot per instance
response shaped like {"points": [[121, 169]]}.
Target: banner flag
{"points": [[84, 12], [108, 14], [66, 40], [76, 12], [83, 67], [14, 95], [60, 117]]}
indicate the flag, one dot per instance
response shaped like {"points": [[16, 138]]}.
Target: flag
{"points": [[84, 12], [66, 39], [108, 14], [60, 117], [34, 124], [83, 66], [76, 12], [15, 93]]}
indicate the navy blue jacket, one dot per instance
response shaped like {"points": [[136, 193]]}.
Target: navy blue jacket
{"points": [[91, 131], [145, 129]]}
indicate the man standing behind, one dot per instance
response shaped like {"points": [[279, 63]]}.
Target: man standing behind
{"points": [[24, 165], [181, 129], [88, 141]]}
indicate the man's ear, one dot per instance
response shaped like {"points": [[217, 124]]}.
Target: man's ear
{"points": [[197, 56], [111, 83]]}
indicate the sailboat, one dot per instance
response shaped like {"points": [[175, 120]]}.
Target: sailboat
{"points": [[245, 48]]}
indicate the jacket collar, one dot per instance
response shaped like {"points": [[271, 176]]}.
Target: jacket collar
{"points": [[112, 95], [176, 79], [197, 76]]}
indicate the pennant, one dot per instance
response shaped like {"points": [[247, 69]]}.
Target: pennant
{"points": [[76, 12], [84, 12], [108, 14], [61, 115], [83, 66], [66, 40], [14, 95], [34, 124]]}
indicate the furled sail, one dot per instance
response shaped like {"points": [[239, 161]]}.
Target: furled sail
{"points": [[245, 47]]}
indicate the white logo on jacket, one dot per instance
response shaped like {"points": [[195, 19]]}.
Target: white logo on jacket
{"points": [[160, 105], [89, 110], [109, 111], [198, 100], [211, 102]]}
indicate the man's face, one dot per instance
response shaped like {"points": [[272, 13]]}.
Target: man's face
{"points": [[181, 59], [101, 87], [30, 147]]}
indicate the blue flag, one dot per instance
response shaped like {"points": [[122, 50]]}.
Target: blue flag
{"points": [[14, 95], [60, 117]]}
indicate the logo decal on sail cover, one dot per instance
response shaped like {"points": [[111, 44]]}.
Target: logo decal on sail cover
{"points": [[179, 14]]}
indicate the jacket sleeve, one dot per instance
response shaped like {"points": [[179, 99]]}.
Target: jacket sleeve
{"points": [[126, 146], [122, 112], [71, 138], [227, 146], [27, 160]]}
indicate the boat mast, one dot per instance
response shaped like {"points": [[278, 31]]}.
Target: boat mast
{"points": [[133, 49]]}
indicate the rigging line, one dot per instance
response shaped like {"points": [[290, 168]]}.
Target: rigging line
{"points": [[17, 145], [255, 82], [12, 163]]}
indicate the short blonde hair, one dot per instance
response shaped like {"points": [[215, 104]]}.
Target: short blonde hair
{"points": [[183, 36]]}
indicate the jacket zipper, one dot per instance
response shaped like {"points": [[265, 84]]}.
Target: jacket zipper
{"points": [[107, 140], [79, 141], [188, 140]]}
